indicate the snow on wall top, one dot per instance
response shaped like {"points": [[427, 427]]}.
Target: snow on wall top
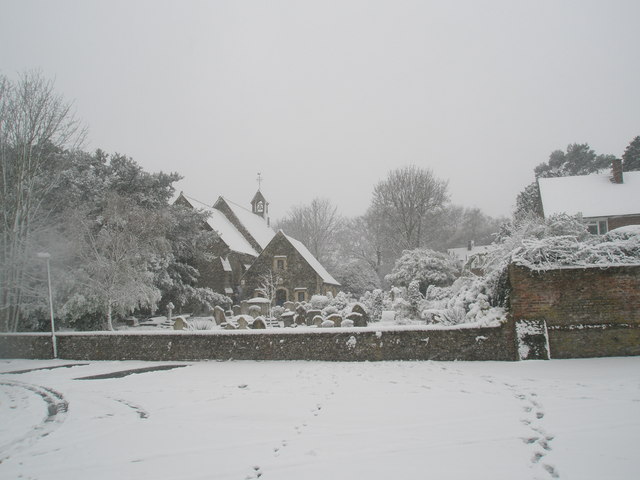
{"points": [[312, 261], [255, 225], [591, 195]]}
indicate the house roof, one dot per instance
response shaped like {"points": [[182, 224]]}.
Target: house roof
{"points": [[591, 195], [255, 225], [311, 260], [464, 253]]}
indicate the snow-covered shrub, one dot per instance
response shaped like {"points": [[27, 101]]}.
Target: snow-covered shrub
{"points": [[414, 296], [318, 302], [277, 311], [426, 266], [330, 310], [200, 324], [373, 304], [623, 233]]}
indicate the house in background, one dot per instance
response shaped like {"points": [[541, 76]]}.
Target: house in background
{"points": [[472, 257], [297, 274], [605, 201], [248, 247]]}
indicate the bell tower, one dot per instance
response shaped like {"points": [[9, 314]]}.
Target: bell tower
{"points": [[259, 204]]}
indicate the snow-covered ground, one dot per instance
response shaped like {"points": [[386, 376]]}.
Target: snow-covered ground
{"points": [[568, 419]]}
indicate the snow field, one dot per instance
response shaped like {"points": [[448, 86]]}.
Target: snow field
{"points": [[564, 419]]}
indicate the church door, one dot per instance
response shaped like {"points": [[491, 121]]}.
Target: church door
{"points": [[281, 297]]}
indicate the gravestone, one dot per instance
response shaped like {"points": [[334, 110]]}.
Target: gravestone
{"points": [[180, 323], [357, 319], [287, 318], [359, 308], [336, 319], [219, 315]]}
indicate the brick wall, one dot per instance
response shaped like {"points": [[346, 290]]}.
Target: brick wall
{"points": [[489, 343], [615, 222], [589, 312]]}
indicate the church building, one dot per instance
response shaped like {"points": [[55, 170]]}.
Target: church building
{"points": [[248, 247]]}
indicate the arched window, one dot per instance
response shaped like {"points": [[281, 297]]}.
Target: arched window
{"points": [[260, 207]]}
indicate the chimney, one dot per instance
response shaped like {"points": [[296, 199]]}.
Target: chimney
{"points": [[616, 171]]}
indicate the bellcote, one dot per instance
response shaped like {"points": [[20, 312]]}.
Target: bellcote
{"points": [[259, 205]]}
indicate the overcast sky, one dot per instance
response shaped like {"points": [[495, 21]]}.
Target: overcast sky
{"points": [[325, 97]]}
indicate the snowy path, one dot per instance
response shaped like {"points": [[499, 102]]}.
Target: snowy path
{"points": [[571, 419]]}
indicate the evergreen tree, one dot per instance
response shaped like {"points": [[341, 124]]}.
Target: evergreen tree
{"points": [[631, 156]]}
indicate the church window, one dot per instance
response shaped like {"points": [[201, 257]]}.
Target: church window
{"points": [[301, 294], [260, 207], [280, 262]]}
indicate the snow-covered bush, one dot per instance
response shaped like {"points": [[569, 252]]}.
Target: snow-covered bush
{"points": [[426, 266], [200, 324], [277, 311], [318, 302], [373, 303]]}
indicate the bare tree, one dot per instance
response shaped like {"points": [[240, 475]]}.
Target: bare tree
{"points": [[35, 124], [268, 287], [315, 225], [404, 201]]}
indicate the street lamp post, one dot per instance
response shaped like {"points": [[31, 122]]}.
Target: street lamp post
{"points": [[47, 257]]}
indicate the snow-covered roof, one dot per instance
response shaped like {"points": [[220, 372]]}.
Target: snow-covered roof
{"points": [[255, 225], [464, 253], [591, 195], [312, 261], [229, 233], [221, 224]]}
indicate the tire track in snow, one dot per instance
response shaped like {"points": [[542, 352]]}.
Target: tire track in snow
{"points": [[57, 408]]}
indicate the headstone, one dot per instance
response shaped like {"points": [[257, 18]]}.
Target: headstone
{"points": [[300, 319], [327, 324], [180, 323], [259, 324], [347, 323], [359, 308], [170, 307], [289, 306], [317, 320], [242, 322], [229, 313], [357, 319], [219, 315], [336, 318], [236, 310], [311, 314], [287, 318]]}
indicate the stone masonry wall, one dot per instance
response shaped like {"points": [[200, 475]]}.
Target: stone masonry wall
{"points": [[589, 312], [488, 343]]}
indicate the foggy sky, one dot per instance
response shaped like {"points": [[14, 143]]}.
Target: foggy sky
{"points": [[325, 97]]}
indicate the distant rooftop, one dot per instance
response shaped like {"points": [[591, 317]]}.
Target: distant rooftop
{"points": [[591, 195]]}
